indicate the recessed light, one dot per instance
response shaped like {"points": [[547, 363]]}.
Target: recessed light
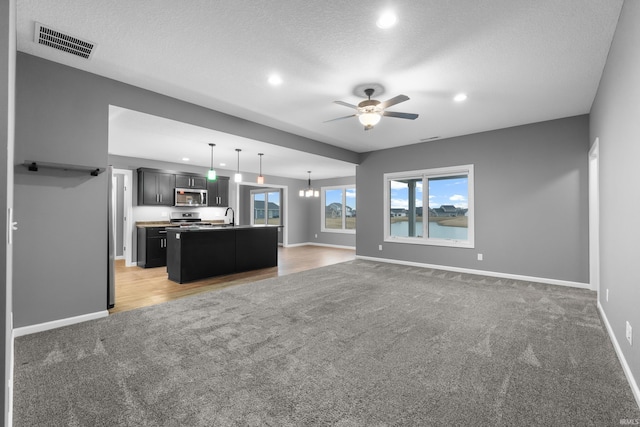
{"points": [[460, 97], [275, 80], [185, 159], [223, 164], [387, 20]]}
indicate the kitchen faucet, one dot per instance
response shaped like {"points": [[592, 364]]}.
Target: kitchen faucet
{"points": [[233, 215]]}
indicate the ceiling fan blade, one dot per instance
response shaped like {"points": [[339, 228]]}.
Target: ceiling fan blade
{"points": [[393, 101], [410, 116], [339, 118], [346, 104]]}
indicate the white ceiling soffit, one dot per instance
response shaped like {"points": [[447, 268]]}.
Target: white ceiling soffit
{"points": [[136, 134], [519, 61]]}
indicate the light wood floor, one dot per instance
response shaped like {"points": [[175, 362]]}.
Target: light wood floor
{"points": [[140, 287]]}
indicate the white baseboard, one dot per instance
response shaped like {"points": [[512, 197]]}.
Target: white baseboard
{"points": [[481, 272], [294, 245], [32, 329], [10, 379], [625, 366], [326, 245]]}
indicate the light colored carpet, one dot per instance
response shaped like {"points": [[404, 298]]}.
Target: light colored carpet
{"points": [[354, 344]]}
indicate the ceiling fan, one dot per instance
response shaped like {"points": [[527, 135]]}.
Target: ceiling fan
{"points": [[370, 111]]}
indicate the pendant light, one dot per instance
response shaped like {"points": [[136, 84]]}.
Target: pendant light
{"points": [[309, 191], [211, 175], [238, 176], [260, 177]]}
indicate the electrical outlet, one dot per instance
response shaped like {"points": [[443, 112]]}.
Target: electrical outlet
{"points": [[629, 333], [316, 235], [607, 295], [379, 247], [479, 257]]}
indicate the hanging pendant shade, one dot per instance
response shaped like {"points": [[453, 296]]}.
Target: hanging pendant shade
{"points": [[260, 177], [211, 174], [238, 176]]}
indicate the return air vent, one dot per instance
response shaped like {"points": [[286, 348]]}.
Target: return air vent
{"points": [[57, 40]]}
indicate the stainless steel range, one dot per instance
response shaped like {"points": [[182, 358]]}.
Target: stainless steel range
{"points": [[186, 219]]}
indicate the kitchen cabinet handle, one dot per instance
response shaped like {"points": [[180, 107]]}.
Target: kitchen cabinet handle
{"points": [[162, 232]]}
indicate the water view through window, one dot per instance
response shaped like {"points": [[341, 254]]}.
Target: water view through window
{"points": [[446, 212]]}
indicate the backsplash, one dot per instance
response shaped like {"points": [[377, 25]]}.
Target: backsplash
{"points": [[162, 213]]}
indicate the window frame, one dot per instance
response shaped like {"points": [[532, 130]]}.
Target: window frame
{"points": [[425, 175], [323, 209], [266, 204]]}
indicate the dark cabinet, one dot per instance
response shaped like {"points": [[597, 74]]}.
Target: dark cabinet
{"points": [[197, 254], [218, 192], [155, 187], [191, 181], [152, 247], [193, 256]]}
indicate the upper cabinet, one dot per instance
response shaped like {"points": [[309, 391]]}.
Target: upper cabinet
{"points": [[191, 181], [218, 192], [155, 187]]}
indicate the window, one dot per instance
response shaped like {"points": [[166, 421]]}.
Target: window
{"points": [[339, 209], [265, 205], [445, 195]]}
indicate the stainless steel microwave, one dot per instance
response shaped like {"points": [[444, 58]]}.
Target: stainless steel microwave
{"points": [[190, 197]]}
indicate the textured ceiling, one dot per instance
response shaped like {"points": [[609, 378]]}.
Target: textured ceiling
{"points": [[519, 61]]}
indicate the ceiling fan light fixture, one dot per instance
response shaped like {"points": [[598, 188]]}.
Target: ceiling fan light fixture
{"points": [[369, 119]]}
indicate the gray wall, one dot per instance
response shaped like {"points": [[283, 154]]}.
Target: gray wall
{"points": [[614, 120], [60, 267], [315, 216], [531, 199], [7, 84]]}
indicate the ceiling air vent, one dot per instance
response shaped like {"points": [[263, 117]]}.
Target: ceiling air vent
{"points": [[61, 41]]}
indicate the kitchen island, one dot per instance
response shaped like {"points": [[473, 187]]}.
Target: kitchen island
{"points": [[198, 252]]}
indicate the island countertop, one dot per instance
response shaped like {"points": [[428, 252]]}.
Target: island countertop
{"points": [[218, 227]]}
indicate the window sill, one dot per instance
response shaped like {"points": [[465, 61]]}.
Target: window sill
{"points": [[335, 230], [431, 242]]}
